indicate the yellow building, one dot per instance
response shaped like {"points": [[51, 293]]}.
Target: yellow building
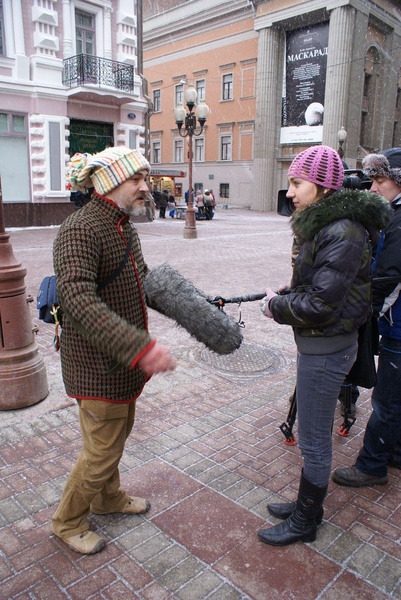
{"points": [[277, 75]]}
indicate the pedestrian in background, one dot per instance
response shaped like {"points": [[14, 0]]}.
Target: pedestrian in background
{"points": [[326, 303], [163, 203], [382, 440], [189, 195], [209, 204], [107, 352]]}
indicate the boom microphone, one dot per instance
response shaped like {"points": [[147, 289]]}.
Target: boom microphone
{"points": [[168, 292]]}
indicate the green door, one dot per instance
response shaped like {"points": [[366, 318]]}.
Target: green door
{"points": [[90, 136]]}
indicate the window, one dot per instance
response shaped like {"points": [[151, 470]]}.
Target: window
{"points": [[178, 151], [225, 147], [156, 101], [12, 124], [156, 152], [55, 156], [227, 87], [179, 94], [85, 32], [132, 139], [14, 151], [200, 89], [199, 154], [2, 45], [224, 190]]}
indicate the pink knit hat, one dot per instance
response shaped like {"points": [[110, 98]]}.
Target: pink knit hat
{"points": [[320, 165]]}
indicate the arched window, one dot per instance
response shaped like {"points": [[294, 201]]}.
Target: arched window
{"points": [[371, 103]]}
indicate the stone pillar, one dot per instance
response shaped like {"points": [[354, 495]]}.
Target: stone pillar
{"points": [[268, 114], [338, 73], [67, 29], [107, 33], [21, 60]]}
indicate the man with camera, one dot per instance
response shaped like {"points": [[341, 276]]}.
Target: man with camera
{"points": [[382, 439]]}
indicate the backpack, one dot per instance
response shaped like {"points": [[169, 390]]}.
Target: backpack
{"points": [[48, 303]]}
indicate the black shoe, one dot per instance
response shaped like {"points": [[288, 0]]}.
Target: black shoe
{"points": [[289, 532], [353, 477], [285, 510], [301, 525]]}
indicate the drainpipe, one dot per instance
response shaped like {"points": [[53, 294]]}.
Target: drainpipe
{"points": [[149, 111]]}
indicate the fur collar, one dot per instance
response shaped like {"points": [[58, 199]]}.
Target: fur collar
{"points": [[367, 208]]}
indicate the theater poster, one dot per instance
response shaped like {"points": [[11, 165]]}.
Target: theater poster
{"points": [[303, 85]]}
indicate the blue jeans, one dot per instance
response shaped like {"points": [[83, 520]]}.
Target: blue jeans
{"points": [[319, 380], [382, 438]]}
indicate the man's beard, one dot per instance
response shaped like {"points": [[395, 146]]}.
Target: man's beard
{"points": [[138, 211]]}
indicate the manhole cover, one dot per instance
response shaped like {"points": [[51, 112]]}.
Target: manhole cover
{"points": [[249, 359]]}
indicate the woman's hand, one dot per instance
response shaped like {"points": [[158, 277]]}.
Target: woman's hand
{"points": [[264, 303]]}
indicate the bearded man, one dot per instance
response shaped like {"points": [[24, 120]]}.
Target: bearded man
{"points": [[100, 272]]}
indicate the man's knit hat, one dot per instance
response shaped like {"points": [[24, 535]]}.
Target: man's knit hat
{"points": [[384, 164], [106, 170], [320, 165]]}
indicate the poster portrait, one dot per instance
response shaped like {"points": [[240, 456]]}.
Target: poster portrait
{"points": [[304, 84]]}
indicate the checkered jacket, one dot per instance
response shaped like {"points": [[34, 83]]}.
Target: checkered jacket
{"points": [[105, 328]]}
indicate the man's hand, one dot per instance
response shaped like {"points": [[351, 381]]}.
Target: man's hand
{"points": [[157, 360]]}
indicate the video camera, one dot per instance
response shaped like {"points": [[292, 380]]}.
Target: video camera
{"points": [[354, 179]]}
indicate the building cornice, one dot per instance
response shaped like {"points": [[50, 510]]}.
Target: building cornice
{"points": [[195, 17], [284, 16], [199, 48]]}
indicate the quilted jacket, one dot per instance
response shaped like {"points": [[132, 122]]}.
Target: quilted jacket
{"points": [[101, 329], [330, 293], [387, 295]]}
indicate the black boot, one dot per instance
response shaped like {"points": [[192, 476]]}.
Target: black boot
{"points": [[285, 510], [301, 525]]}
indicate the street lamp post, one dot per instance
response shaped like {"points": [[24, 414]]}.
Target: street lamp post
{"points": [[23, 378], [188, 120], [341, 136]]}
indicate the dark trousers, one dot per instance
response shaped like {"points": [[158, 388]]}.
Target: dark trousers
{"points": [[382, 439]]}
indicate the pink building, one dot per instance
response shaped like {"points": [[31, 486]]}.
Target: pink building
{"points": [[278, 76], [70, 80]]}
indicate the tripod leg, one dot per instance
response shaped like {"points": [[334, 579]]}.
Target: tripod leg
{"points": [[287, 426], [346, 401]]}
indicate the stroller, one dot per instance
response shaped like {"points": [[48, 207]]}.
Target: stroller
{"points": [[204, 213]]}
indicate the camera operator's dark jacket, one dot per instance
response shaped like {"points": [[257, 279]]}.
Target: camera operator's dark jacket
{"points": [[330, 294], [387, 294]]}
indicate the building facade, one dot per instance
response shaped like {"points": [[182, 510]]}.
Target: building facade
{"points": [[70, 81], [278, 75]]}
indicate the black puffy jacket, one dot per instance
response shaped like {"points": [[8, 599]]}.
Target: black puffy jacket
{"points": [[330, 293]]}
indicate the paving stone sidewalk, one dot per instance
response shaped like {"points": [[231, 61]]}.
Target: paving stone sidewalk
{"points": [[206, 450]]}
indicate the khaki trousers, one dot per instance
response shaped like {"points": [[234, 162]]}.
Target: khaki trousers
{"points": [[94, 482]]}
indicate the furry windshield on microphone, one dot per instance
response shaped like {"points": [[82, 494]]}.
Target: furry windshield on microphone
{"points": [[168, 292]]}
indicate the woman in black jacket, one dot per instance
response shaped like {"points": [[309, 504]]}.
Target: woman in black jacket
{"points": [[328, 300]]}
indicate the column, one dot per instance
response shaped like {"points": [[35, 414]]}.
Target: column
{"points": [[338, 73], [268, 111], [67, 29], [107, 33], [21, 60]]}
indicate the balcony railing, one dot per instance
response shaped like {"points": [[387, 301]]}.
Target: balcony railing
{"points": [[85, 69]]}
